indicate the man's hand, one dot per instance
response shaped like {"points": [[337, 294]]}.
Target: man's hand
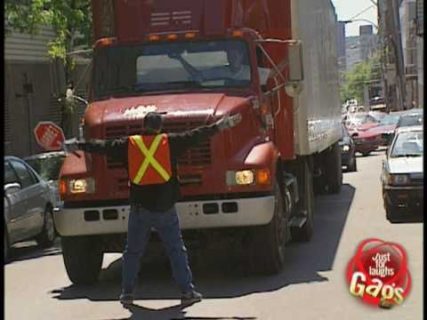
{"points": [[71, 145], [229, 121]]}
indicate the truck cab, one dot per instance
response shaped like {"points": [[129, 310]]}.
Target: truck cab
{"points": [[195, 62]]}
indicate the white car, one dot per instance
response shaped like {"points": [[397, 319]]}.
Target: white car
{"points": [[403, 177]]}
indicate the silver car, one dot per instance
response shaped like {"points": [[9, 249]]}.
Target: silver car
{"points": [[28, 205], [48, 165], [403, 177]]}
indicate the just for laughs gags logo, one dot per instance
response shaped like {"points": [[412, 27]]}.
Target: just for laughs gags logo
{"points": [[378, 273]]}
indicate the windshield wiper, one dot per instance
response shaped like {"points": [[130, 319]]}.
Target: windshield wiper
{"points": [[407, 155]]}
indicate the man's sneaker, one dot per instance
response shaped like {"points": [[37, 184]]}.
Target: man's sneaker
{"points": [[126, 299], [191, 297]]}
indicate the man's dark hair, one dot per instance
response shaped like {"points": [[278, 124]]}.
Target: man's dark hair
{"points": [[153, 121]]}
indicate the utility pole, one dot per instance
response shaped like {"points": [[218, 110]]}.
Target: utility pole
{"points": [[397, 40]]}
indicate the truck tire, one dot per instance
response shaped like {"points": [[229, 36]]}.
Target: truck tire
{"points": [[306, 203], [267, 246], [82, 259], [46, 238], [333, 168]]}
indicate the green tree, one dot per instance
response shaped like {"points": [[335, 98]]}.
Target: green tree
{"points": [[356, 79], [71, 21]]}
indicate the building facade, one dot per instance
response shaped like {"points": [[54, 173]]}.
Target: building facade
{"points": [[408, 15], [420, 50], [361, 48], [33, 84], [32, 81], [341, 46]]}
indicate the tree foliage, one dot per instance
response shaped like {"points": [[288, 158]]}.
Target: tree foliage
{"points": [[356, 79], [70, 19]]}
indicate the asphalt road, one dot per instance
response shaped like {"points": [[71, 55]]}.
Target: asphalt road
{"points": [[312, 285]]}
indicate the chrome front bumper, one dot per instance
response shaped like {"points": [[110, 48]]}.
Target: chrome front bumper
{"points": [[192, 215]]}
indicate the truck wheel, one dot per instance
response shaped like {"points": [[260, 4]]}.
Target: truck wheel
{"points": [[267, 247], [46, 238], [334, 170], [82, 259], [306, 203]]}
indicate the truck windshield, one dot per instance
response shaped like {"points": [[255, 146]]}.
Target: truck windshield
{"points": [[132, 69]]}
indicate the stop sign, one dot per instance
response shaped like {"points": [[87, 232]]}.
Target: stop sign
{"points": [[49, 136]]}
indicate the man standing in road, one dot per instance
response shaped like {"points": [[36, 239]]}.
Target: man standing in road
{"points": [[154, 189]]}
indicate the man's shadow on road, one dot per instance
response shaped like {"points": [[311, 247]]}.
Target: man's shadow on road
{"points": [[219, 277], [174, 312]]}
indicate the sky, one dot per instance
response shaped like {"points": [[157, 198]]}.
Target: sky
{"points": [[347, 9]]}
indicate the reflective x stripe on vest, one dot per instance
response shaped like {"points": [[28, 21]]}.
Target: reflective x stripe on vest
{"points": [[150, 165]]}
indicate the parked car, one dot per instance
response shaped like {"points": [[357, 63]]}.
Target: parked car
{"points": [[48, 166], [403, 177], [386, 127], [348, 151], [28, 205]]}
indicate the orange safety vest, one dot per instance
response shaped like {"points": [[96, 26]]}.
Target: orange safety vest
{"points": [[149, 159]]}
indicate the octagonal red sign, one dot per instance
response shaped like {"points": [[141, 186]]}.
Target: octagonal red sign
{"points": [[49, 135]]}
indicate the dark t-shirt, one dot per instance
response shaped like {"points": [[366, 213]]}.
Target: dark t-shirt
{"points": [[156, 197]]}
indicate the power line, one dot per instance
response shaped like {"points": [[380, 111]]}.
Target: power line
{"points": [[363, 11]]}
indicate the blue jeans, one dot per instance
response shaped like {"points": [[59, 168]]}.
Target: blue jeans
{"points": [[139, 229]]}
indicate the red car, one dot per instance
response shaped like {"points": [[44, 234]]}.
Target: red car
{"points": [[366, 141], [360, 121], [386, 128]]}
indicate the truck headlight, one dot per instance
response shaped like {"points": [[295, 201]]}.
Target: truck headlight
{"points": [[248, 177], [243, 177], [345, 148], [77, 186], [398, 179]]}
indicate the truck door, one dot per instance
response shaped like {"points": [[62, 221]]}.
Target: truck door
{"points": [[31, 219], [14, 205]]}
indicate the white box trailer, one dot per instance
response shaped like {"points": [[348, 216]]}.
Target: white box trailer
{"points": [[317, 115]]}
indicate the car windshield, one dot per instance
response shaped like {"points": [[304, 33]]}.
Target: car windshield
{"points": [[410, 120], [408, 144], [159, 67], [389, 120], [358, 119], [48, 168]]}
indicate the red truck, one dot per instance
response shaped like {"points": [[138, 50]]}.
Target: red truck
{"points": [[254, 184]]}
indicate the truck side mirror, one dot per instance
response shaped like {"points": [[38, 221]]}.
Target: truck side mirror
{"points": [[296, 70]]}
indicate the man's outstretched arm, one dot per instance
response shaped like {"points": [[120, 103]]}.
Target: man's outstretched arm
{"points": [[116, 148], [180, 142]]}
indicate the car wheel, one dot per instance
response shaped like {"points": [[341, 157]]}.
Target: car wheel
{"points": [[5, 247], [47, 236], [365, 154], [352, 167], [391, 213]]}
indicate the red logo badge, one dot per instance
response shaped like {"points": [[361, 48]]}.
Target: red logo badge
{"points": [[378, 273]]}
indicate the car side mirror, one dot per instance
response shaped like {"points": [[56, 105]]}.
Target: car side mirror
{"points": [[293, 86], [296, 70], [12, 188]]}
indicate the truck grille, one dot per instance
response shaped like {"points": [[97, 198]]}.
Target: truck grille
{"points": [[199, 155]]}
